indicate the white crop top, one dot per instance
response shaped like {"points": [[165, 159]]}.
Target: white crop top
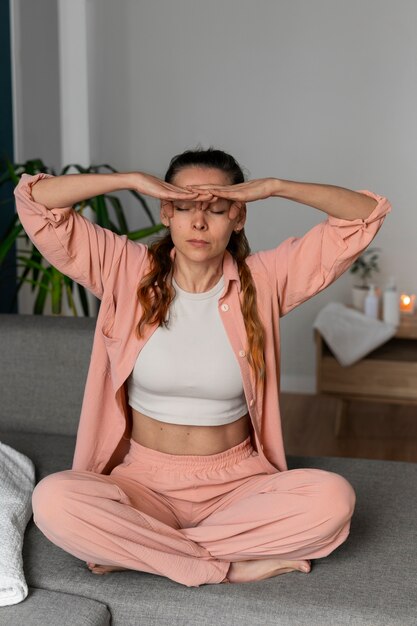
{"points": [[187, 373]]}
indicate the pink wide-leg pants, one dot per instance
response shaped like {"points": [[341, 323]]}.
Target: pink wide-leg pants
{"points": [[189, 517]]}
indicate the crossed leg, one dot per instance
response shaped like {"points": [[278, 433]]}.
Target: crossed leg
{"points": [[270, 525], [89, 516], [277, 523]]}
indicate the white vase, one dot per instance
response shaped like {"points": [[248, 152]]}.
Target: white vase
{"points": [[359, 294]]}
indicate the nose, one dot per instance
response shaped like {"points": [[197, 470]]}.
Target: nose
{"points": [[199, 218]]}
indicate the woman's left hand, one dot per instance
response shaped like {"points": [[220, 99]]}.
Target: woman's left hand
{"points": [[257, 189]]}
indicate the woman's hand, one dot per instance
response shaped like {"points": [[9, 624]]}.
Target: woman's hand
{"points": [[158, 188], [168, 193], [335, 201], [67, 190], [258, 189], [241, 193]]}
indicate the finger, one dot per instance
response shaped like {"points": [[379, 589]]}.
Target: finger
{"points": [[198, 188], [167, 209], [180, 195], [171, 192], [229, 193], [236, 187], [235, 210], [206, 205], [203, 196], [208, 187], [177, 189]]}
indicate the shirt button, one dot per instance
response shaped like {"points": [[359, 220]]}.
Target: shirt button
{"points": [[262, 446], [225, 307], [242, 353], [252, 402]]}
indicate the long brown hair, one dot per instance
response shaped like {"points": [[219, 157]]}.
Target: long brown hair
{"points": [[155, 291]]}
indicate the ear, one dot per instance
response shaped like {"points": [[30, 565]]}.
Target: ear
{"points": [[166, 211]]}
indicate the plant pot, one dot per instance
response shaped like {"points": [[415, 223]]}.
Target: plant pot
{"points": [[359, 293]]}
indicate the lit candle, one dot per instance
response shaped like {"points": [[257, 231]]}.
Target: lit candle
{"points": [[407, 303]]}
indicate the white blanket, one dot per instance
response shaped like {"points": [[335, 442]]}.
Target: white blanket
{"points": [[17, 480], [350, 334]]}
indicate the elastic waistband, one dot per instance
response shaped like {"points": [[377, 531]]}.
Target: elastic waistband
{"points": [[227, 458]]}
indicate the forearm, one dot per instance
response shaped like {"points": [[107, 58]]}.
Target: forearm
{"points": [[335, 201], [65, 191]]}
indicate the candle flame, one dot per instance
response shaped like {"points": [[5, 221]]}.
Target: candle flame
{"points": [[406, 299]]}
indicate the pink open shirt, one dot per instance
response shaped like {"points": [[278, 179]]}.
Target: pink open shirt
{"points": [[111, 266]]}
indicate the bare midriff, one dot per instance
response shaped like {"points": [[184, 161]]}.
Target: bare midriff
{"points": [[182, 439]]}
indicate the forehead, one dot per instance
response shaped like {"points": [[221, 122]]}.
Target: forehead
{"points": [[201, 176]]}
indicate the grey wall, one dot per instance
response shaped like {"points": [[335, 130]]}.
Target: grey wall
{"points": [[321, 91], [37, 105]]}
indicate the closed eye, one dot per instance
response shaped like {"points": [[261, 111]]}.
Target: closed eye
{"points": [[218, 208], [213, 210]]}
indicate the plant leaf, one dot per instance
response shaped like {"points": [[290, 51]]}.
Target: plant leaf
{"points": [[43, 289], [44, 279], [144, 204], [117, 206], [99, 206], [83, 299], [56, 296], [145, 232], [9, 240]]}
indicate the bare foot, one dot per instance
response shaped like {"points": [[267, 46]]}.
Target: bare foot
{"points": [[104, 569], [247, 571]]}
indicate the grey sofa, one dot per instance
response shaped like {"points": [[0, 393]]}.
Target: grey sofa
{"points": [[371, 580]]}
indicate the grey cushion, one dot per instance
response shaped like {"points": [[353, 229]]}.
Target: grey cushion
{"points": [[49, 608], [369, 581], [43, 377]]}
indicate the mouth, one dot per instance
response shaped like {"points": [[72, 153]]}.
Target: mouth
{"points": [[198, 242]]}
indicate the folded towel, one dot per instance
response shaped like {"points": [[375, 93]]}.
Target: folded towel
{"points": [[349, 334], [16, 486]]}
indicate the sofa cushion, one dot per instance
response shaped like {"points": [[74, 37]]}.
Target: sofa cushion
{"points": [[49, 453], [370, 580], [47, 361], [43, 608]]}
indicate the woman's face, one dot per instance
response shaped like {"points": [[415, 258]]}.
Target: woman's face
{"points": [[201, 231]]}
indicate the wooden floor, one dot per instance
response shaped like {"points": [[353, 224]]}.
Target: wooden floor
{"points": [[371, 431]]}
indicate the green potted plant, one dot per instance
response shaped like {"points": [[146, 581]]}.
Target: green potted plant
{"points": [[47, 282], [363, 270]]}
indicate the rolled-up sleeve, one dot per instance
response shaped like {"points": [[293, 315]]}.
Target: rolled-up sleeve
{"points": [[306, 265], [78, 248]]}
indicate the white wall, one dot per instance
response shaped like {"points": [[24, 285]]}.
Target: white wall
{"points": [[320, 91]]}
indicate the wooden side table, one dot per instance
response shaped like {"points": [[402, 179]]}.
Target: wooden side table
{"points": [[388, 374]]}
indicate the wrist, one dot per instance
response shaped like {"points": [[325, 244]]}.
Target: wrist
{"points": [[277, 186], [127, 180]]}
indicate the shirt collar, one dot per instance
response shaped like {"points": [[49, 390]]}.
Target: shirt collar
{"points": [[230, 271]]}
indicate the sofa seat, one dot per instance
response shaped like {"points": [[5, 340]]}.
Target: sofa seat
{"points": [[371, 580], [50, 608]]}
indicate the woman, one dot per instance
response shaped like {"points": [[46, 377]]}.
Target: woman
{"points": [[179, 468]]}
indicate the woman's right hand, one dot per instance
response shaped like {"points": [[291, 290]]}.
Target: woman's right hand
{"points": [[67, 190], [158, 188]]}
